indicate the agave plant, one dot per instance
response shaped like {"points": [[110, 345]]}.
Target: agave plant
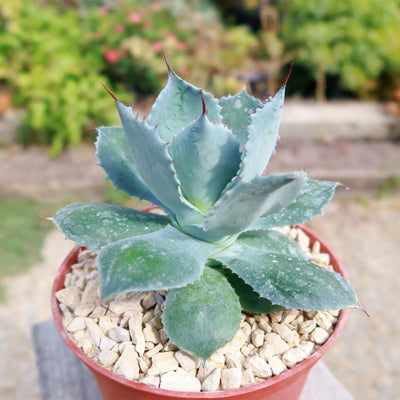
{"points": [[201, 160]]}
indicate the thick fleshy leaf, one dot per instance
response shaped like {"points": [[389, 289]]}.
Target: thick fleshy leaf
{"points": [[273, 242], [316, 195], [161, 260], [242, 205], [206, 158], [249, 299], [203, 316], [289, 281], [263, 135], [95, 225], [116, 160], [154, 164], [178, 104], [236, 112]]}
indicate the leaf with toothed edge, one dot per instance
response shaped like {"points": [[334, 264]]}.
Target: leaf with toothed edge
{"points": [[203, 316], [161, 260], [243, 204], [289, 281], [116, 160], [263, 133], [178, 104], [206, 158], [95, 225], [236, 111], [311, 202], [155, 166]]}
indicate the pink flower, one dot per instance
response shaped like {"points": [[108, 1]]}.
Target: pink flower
{"points": [[103, 10], [156, 6], [172, 37], [119, 28], [182, 45], [157, 46], [148, 25], [112, 56], [135, 18]]}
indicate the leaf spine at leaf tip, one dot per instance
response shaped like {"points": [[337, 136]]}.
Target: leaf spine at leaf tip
{"points": [[204, 103], [166, 61], [111, 93], [288, 75]]}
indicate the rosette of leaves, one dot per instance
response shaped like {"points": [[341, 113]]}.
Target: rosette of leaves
{"points": [[201, 160]]}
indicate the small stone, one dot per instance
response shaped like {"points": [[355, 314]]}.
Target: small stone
{"points": [[163, 336], [211, 383], [76, 324], [263, 324], [231, 378], [266, 351], [334, 313], [162, 363], [307, 326], [283, 331], [151, 334], [246, 329], [70, 296], [65, 311], [303, 240], [94, 331], [92, 275], [87, 347], [292, 357], [154, 350], [257, 337], [149, 300], [215, 361], [247, 377], [106, 323], [169, 346], [80, 335], [150, 380], [91, 293], [276, 364], [107, 358], [120, 306], [143, 365], [278, 344], [236, 343], [319, 335], [290, 315], [107, 344], [98, 312], [119, 334], [316, 248], [234, 359], [307, 348], [84, 255], [149, 346], [127, 364], [259, 366], [187, 361], [276, 316], [179, 381], [136, 332], [148, 316], [323, 319], [84, 310]]}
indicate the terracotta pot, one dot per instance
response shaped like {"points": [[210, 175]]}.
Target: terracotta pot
{"points": [[287, 385]]}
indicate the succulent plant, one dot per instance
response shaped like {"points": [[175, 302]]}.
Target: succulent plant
{"points": [[201, 160]]}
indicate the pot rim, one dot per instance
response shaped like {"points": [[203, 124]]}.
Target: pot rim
{"points": [[247, 390]]}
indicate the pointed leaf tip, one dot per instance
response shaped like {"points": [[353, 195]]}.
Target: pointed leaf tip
{"points": [[166, 61], [110, 93], [288, 75], [204, 103]]}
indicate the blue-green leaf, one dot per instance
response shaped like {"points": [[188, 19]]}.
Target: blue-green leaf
{"points": [[236, 112], [273, 242], [206, 158], [288, 281], [242, 205], [154, 164], [263, 135], [316, 195], [249, 299], [116, 160], [95, 225], [178, 104], [203, 316], [161, 260]]}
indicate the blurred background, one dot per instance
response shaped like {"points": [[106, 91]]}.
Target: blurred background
{"points": [[341, 122]]}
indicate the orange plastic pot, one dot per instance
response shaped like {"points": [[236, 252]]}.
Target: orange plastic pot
{"points": [[287, 385]]}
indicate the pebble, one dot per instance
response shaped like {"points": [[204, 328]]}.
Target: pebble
{"points": [[136, 332], [293, 357], [70, 296], [257, 337], [234, 359], [151, 334], [94, 331], [106, 323], [162, 363], [119, 334], [150, 380], [319, 335], [107, 358], [276, 364], [107, 344], [247, 377], [324, 320], [266, 351], [186, 361], [119, 307], [76, 324], [279, 346], [259, 366], [212, 382], [283, 331], [290, 315], [231, 378], [179, 381], [91, 293], [127, 364], [307, 326]]}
